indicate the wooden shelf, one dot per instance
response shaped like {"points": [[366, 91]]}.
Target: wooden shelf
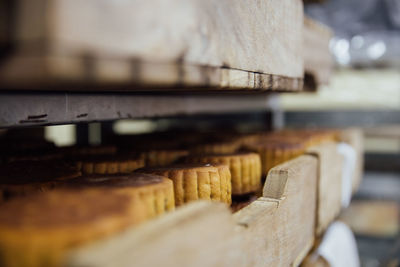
{"points": [[275, 230], [46, 108], [301, 198], [318, 61], [192, 44]]}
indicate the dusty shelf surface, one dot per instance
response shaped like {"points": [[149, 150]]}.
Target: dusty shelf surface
{"points": [[45, 108]]}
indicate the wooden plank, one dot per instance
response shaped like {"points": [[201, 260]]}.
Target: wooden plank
{"points": [[375, 218], [329, 184], [318, 61], [337, 247], [27, 109], [194, 43], [355, 138], [278, 228], [275, 230], [105, 74], [198, 234]]}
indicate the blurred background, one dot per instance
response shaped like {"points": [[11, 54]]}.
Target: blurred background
{"points": [[364, 91]]}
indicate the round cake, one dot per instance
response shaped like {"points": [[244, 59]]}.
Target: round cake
{"points": [[109, 164], [245, 168], [274, 152], [158, 157], [156, 191], [23, 177], [39, 229], [193, 182]]}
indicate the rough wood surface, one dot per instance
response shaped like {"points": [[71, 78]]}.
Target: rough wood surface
{"points": [[278, 228], [275, 230], [376, 218], [355, 138], [31, 108], [203, 43], [318, 61], [329, 184], [199, 234]]}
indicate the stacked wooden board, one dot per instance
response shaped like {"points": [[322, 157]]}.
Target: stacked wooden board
{"points": [[61, 46], [298, 203], [300, 198], [154, 45], [222, 44]]}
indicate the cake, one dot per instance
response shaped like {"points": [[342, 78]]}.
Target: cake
{"points": [[157, 192], [276, 151], [23, 177], [162, 157], [194, 181], [109, 164], [245, 168], [39, 229]]}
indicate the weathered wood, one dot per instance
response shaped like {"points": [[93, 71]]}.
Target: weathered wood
{"points": [[27, 109], [179, 43], [278, 229], [355, 138], [275, 230], [318, 61], [329, 184], [376, 218], [75, 73], [198, 234], [337, 247]]}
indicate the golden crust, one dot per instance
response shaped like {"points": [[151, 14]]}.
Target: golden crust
{"points": [[225, 183], [156, 191], [24, 177], [274, 152], [38, 230], [226, 147], [109, 165], [194, 181], [154, 158], [245, 169]]}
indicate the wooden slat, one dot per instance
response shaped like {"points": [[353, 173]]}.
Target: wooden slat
{"points": [[178, 43], [318, 61], [376, 218], [199, 234], [329, 184], [275, 230], [27, 109], [278, 228], [355, 138]]}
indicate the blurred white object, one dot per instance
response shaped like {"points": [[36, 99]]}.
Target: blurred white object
{"points": [[349, 165], [338, 246]]}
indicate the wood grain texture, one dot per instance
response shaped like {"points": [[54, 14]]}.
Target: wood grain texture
{"points": [[355, 138], [106, 74], [329, 184], [275, 230], [278, 228], [17, 109], [202, 43], [377, 218], [318, 61], [199, 234]]}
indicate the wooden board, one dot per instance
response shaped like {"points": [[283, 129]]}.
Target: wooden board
{"points": [[199, 234], [376, 218], [275, 230], [278, 228], [329, 184], [31, 108], [355, 138], [318, 61], [178, 43]]}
